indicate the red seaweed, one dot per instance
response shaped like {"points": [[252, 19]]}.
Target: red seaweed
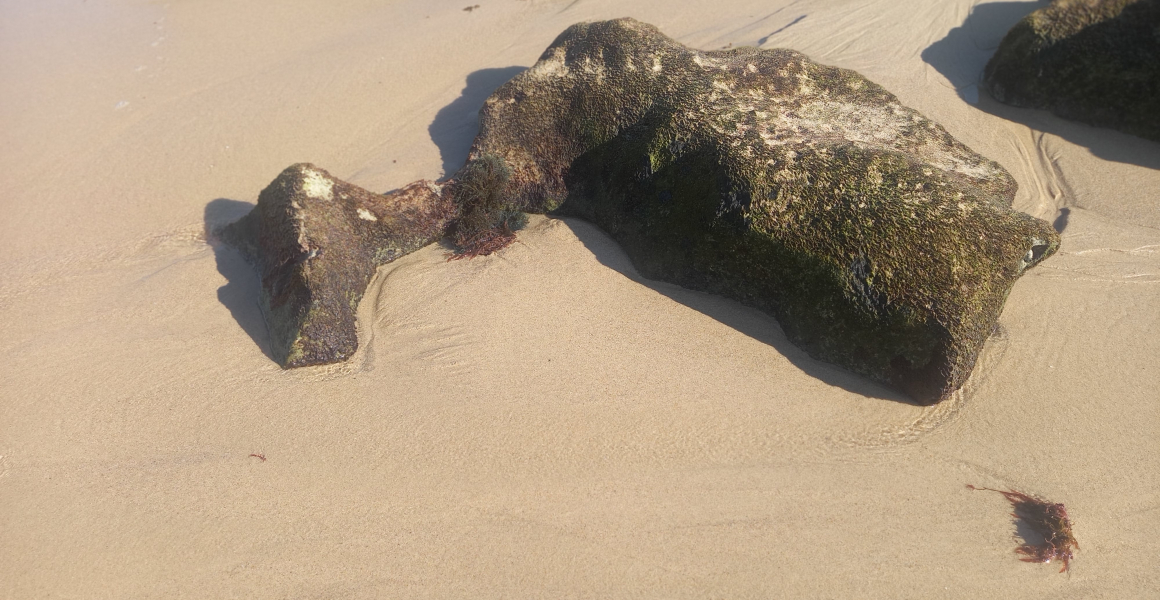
{"points": [[488, 221], [1049, 520]]}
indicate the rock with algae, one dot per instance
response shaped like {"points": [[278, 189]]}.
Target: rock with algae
{"points": [[316, 242], [1095, 61], [878, 241]]}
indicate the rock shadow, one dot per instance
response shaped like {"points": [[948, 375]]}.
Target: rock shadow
{"points": [[1102, 142], [1061, 221], [799, 19], [242, 289], [749, 321], [964, 52], [456, 124]]}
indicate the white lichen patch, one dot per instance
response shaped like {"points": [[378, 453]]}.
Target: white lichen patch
{"points": [[552, 66], [299, 221], [957, 161], [805, 83], [593, 67], [708, 62], [819, 121], [316, 185], [366, 215]]}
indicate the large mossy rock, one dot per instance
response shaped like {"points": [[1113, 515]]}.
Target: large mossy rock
{"points": [[316, 242], [1095, 61], [878, 241]]}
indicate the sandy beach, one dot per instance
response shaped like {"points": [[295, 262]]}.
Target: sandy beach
{"points": [[542, 422]]}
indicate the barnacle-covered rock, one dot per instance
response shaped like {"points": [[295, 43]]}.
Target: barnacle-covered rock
{"points": [[1096, 61], [316, 242], [878, 241]]}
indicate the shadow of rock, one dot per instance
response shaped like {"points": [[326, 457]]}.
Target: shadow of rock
{"points": [[1107, 144], [456, 124], [1061, 221], [744, 319], [964, 52], [799, 19], [242, 289]]}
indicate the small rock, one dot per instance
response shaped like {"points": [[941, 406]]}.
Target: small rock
{"points": [[1095, 61], [316, 242]]}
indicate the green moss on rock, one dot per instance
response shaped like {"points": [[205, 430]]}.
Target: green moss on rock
{"points": [[1095, 61], [878, 241]]}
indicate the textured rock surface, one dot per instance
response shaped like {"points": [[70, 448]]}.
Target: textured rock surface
{"points": [[316, 242], [878, 241], [1096, 61]]}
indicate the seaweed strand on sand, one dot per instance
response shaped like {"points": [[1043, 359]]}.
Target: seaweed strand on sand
{"points": [[1048, 519]]}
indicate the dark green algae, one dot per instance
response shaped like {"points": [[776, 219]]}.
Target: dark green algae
{"points": [[879, 242]]}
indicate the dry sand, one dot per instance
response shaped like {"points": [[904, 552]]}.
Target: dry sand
{"points": [[541, 423]]}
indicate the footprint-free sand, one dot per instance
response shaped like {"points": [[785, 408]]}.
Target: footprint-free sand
{"points": [[540, 423]]}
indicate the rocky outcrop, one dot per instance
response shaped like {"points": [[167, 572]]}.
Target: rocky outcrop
{"points": [[316, 242], [1095, 61], [878, 241]]}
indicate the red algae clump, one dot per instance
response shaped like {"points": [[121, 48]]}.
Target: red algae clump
{"points": [[1048, 519]]}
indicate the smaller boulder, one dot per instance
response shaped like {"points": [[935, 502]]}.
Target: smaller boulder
{"points": [[1094, 61], [316, 242]]}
